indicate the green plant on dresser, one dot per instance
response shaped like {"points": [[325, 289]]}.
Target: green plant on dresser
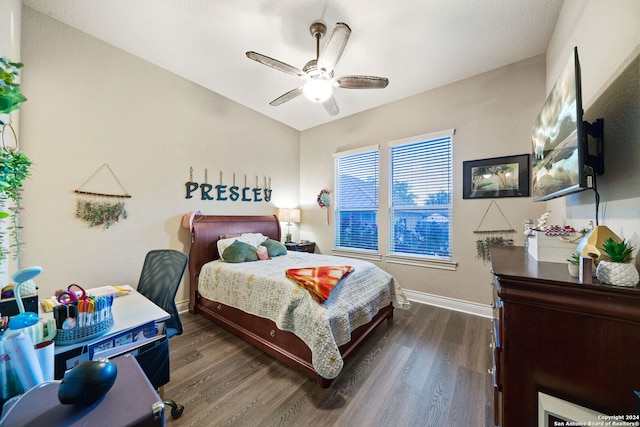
{"points": [[618, 269]]}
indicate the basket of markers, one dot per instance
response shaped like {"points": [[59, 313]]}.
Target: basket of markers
{"points": [[80, 317]]}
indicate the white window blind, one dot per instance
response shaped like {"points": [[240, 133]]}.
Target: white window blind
{"points": [[356, 200], [420, 214]]}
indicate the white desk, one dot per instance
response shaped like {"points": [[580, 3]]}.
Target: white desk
{"points": [[129, 312]]}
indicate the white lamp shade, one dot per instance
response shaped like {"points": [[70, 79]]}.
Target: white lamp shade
{"points": [[289, 215], [317, 90]]}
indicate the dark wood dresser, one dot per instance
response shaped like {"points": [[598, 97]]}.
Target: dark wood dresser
{"points": [[579, 343]]}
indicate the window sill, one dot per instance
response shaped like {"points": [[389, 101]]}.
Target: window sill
{"points": [[367, 256], [422, 262]]}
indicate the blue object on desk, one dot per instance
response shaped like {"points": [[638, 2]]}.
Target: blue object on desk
{"points": [[23, 319]]}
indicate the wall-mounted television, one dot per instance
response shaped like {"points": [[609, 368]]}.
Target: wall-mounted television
{"points": [[561, 161]]}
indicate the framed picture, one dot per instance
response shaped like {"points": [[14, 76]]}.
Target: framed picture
{"points": [[496, 177]]}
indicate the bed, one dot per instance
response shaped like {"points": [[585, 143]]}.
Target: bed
{"points": [[290, 335]]}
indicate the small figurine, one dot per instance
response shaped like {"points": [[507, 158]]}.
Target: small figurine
{"points": [[542, 221]]}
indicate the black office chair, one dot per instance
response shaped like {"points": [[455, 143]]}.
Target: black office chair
{"points": [[159, 281]]}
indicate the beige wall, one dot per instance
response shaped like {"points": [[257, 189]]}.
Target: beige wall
{"points": [[492, 114], [90, 104], [607, 35]]}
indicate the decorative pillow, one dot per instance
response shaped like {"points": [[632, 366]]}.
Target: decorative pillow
{"points": [[253, 239], [224, 243], [239, 252], [274, 248], [262, 252]]}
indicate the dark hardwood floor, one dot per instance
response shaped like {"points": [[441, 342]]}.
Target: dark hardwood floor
{"points": [[425, 367]]}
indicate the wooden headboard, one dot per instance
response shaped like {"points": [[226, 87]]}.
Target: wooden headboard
{"points": [[206, 232]]}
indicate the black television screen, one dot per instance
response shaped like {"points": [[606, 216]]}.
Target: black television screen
{"points": [[559, 139]]}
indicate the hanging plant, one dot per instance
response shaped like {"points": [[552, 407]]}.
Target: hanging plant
{"points": [[14, 165], [483, 245], [101, 209], [14, 169], [100, 213]]}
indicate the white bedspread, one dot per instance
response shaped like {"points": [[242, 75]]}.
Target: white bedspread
{"points": [[262, 289]]}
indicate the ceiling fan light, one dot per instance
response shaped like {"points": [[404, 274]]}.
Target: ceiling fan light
{"points": [[317, 90]]}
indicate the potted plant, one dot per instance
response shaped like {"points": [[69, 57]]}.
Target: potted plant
{"points": [[574, 264], [618, 269], [14, 165]]}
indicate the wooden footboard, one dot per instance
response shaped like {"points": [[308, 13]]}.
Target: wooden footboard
{"points": [[283, 346]]}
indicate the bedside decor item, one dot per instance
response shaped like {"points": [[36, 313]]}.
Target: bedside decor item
{"points": [[303, 246], [324, 201], [101, 208], [496, 177], [289, 216], [618, 269]]}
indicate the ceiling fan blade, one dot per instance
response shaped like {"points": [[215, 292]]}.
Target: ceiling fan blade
{"points": [[286, 97], [362, 82], [274, 63], [334, 46], [331, 106]]}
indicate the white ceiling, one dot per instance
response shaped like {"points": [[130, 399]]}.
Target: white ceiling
{"points": [[418, 44]]}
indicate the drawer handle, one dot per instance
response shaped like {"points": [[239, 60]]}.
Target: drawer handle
{"points": [[219, 307], [272, 333]]}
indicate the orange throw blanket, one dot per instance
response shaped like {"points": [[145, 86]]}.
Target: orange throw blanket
{"points": [[319, 281]]}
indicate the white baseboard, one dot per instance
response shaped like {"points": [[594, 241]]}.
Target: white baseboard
{"points": [[469, 307], [419, 297], [182, 306]]}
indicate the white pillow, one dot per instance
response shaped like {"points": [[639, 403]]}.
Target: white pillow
{"points": [[224, 243], [254, 239]]}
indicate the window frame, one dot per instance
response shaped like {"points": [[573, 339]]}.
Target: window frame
{"points": [[368, 254], [407, 258]]}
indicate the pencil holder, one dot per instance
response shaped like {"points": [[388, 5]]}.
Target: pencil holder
{"points": [[83, 333]]}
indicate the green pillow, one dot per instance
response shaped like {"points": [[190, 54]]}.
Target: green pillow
{"points": [[239, 252], [274, 248]]}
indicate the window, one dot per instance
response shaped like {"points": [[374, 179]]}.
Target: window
{"points": [[356, 199], [420, 213]]}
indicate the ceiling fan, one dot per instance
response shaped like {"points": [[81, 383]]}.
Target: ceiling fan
{"points": [[317, 74]]}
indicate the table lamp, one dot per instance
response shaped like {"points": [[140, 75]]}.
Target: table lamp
{"points": [[289, 215]]}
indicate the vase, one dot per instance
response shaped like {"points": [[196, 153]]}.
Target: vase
{"points": [[574, 269], [617, 273]]}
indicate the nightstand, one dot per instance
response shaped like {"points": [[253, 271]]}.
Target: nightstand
{"points": [[301, 246]]}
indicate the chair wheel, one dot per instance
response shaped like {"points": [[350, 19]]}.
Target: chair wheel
{"points": [[177, 411], [176, 408]]}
